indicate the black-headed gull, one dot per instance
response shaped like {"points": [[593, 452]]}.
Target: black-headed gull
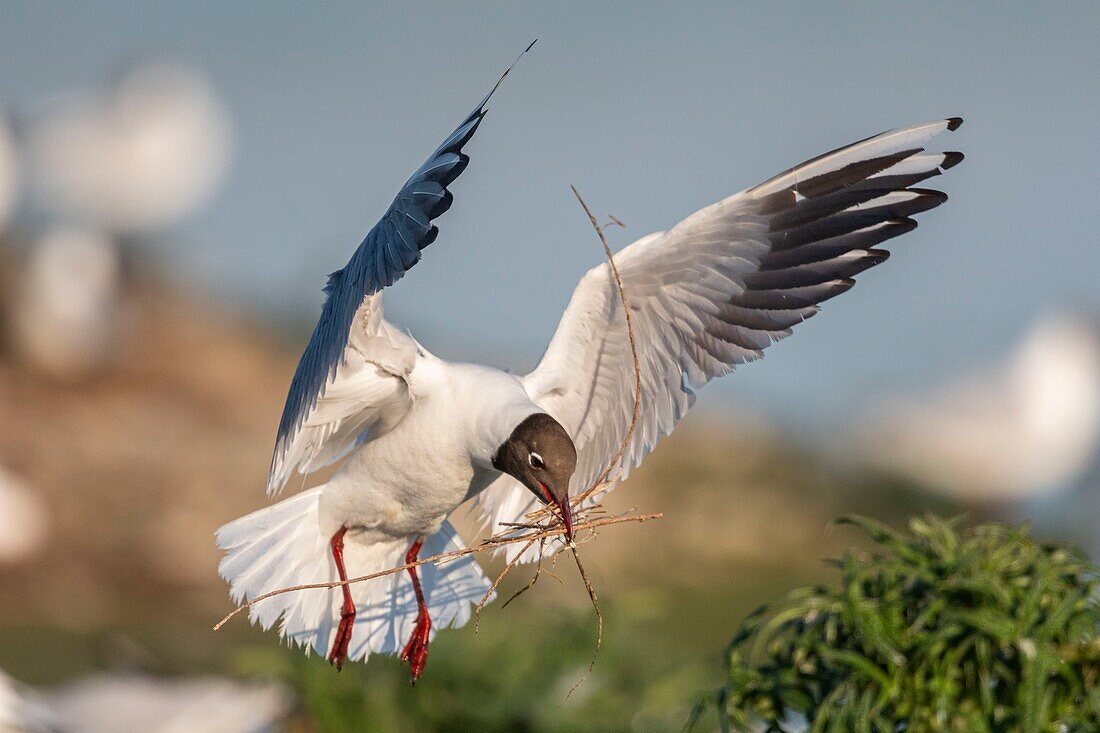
{"points": [[134, 158], [65, 316], [24, 520], [1025, 429], [421, 435]]}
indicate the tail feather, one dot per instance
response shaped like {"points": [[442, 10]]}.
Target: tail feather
{"points": [[283, 545]]}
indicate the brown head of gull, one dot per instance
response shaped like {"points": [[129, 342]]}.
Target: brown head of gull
{"points": [[540, 455]]}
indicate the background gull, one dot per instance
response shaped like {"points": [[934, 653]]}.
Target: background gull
{"points": [[24, 520], [1021, 429], [22, 710], [66, 304], [136, 157]]}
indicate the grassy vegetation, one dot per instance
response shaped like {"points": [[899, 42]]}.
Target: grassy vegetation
{"points": [[744, 522], [514, 674], [937, 630]]}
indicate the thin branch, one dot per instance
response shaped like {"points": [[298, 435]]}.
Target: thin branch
{"points": [[633, 350], [489, 593], [530, 583], [603, 479], [497, 540], [599, 624]]}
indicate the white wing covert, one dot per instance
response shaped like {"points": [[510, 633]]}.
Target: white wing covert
{"points": [[713, 292], [365, 397]]}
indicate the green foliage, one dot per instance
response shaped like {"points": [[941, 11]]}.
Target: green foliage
{"points": [[512, 676], [938, 630]]}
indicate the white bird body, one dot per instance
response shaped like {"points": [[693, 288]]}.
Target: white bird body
{"points": [[421, 436], [459, 416], [428, 451]]}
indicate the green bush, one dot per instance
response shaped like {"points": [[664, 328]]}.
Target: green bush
{"points": [[938, 630]]}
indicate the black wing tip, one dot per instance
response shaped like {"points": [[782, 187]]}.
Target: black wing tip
{"points": [[876, 256], [839, 286], [930, 194], [481, 109], [954, 123], [428, 239], [951, 159], [904, 224]]}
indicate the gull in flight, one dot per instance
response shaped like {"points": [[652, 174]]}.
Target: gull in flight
{"points": [[420, 436]]}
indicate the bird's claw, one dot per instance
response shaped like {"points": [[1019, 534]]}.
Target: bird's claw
{"points": [[416, 650], [339, 653]]}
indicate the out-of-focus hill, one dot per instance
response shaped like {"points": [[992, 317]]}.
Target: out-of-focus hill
{"points": [[140, 463]]}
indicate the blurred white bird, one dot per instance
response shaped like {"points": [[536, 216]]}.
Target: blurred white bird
{"points": [[423, 435], [134, 159], [21, 710], [24, 520], [142, 703], [1022, 430], [65, 309], [9, 175]]}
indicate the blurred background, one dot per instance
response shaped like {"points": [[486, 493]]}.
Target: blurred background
{"points": [[176, 180]]}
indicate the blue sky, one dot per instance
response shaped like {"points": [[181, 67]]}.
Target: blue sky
{"points": [[653, 112]]}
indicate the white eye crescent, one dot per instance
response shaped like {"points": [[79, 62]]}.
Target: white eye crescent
{"points": [[535, 460]]}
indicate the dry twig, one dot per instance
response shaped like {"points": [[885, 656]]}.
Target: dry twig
{"points": [[599, 624], [498, 540], [489, 593], [614, 462], [534, 578]]}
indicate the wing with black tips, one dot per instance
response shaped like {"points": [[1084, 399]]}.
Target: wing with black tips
{"points": [[714, 292]]}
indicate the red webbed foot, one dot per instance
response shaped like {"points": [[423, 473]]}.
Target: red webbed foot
{"points": [[416, 650], [339, 653]]}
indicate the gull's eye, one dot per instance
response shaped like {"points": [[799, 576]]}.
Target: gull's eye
{"points": [[535, 460]]}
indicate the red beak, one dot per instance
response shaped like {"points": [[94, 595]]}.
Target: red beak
{"points": [[566, 517], [563, 508]]}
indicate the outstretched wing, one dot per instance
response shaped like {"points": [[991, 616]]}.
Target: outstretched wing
{"points": [[714, 291], [388, 251]]}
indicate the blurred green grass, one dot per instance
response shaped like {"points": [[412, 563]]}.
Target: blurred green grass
{"points": [[671, 593], [661, 645]]}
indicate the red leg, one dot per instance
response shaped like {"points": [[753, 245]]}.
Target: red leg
{"points": [[339, 651], [416, 651]]}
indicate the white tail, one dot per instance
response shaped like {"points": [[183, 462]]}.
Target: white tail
{"points": [[282, 545]]}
